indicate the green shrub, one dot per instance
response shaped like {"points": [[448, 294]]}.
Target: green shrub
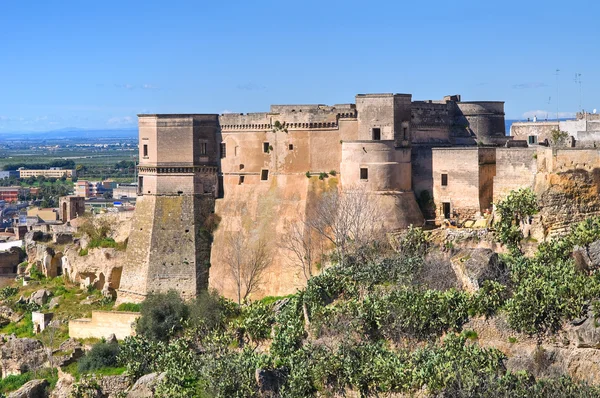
{"points": [[83, 252], [514, 209], [102, 355], [162, 316], [130, 307], [209, 311], [258, 320], [7, 292]]}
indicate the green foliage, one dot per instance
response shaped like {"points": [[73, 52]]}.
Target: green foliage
{"points": [[129, 307], [14, 382], [258, 320], [86, 387], [323, 176], [83, 252], [23, 328], [558, 137], [36, 274], [333, 173], [307, 174], [209, 312], [162, 316], [101, 355], [514, 209], [104, 243], [7, 292], [547, 291], [288, 330]]}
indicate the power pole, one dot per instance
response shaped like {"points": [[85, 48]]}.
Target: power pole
{"points": [[578, 81], [557, 92]]}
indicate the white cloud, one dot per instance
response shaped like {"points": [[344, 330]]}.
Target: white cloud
{"points": [[125, 86], [542, 114], [121, 121], [226, 111], [149, 87]]}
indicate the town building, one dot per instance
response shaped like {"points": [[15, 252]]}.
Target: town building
{"points": [[13, 194], [55, 172]]}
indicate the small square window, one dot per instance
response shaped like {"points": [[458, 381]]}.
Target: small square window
{"points": [[223, 150], [291, 147], [364, 173], [264, 175], [444, 180], [241, 180], [376, 134], [532, 139], [265, 147]]}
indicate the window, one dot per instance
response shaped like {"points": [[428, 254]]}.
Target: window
{"points": [[203, 148], [241, 180], [291, 147], [145, 150], [265, 147], [364, 173], [223, 150], [532, 139], [376, 134], [264, 175], [444, 180], [404, 130], [140, 185]]}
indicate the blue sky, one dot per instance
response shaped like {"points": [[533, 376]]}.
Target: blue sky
{"points": [[98, 64]]}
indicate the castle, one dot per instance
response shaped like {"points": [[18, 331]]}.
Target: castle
{"points": [[259, 172]]}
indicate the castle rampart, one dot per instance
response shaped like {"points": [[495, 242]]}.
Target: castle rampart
{"points": [[260, 172]]}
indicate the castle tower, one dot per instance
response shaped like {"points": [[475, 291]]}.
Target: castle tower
{"points": [[169, 245], [380, 159]]}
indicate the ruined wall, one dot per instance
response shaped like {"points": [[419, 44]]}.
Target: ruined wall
{"points": [[103, 324]]}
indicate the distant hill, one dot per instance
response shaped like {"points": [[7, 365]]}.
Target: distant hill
{"points": [[70, 134]]}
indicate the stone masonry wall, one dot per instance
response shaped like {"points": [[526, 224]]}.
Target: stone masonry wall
{"points": [[103, 324]]}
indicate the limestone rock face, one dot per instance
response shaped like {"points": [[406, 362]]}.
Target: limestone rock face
{"points": [[587, 258], [40, 297], [585, 334], [146, 385], [474, 266], [31, 389], [101, 267], [18, 356], [269, 381], [566, 198], [8, 314], [563, 356], [64, 385], [113, 386]]}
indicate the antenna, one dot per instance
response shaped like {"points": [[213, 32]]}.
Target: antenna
{"points": [[557, 92], [578, 81]]}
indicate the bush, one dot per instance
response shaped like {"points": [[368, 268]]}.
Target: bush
{"points": [[130, 307], [101, 355], [7, 292], [514, 209], [162, 316], [209, 311]]}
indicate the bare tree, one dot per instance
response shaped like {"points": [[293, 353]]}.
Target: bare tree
{"points": [[302, 246], [247, 261], [349, 219]]}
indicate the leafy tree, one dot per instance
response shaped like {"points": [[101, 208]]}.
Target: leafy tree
{"points": [[162, 316], [515, 209], [100, 356]]}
